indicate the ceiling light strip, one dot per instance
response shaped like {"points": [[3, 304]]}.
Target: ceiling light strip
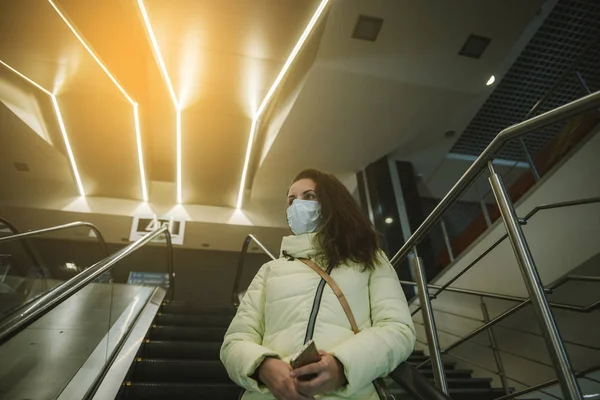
{"points": [[138, 138], [61, 125], [91, 52], [157, 53], [313, 21], [26, 78], [63, 131], [121, 89], [178, 133], [165, 73]]}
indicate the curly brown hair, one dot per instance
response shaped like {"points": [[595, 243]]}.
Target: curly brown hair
{"points": [[344, 233]]}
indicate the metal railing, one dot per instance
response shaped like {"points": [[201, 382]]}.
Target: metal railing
{"points": [[240, 268], [70, 225], [549, 289], [529, 160], [537, 298], [24, 243], [29, 313]]}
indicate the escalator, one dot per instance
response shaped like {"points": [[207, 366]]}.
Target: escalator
{"points": [[71, 339], [179, 358]]}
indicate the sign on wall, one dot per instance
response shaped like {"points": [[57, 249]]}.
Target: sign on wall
{"points": [[143, 224], [148, 279]]}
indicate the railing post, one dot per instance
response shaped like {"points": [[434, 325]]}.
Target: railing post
{"points": [[534, 171], [497, 356], [447, 240], [429, 324], [484, 207], [534, 286]]}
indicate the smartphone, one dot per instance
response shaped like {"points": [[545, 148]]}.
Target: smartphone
{"points": [[308, 354]]}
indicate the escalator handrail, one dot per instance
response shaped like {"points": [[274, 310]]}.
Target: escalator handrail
{"points": [[24, 243], [242, 260], [29, 313], [551, 117], [70, 225], [416, 384]]}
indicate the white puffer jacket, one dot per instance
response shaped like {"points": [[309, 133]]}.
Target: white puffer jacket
{"points": [[274, 313]]}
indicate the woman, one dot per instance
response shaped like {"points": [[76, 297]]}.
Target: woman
{"points": [[288, 304]]}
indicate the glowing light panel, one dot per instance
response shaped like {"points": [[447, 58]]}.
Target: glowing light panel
{"points": [[313, 21], [134, 105]]}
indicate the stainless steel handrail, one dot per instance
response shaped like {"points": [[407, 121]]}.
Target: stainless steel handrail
{"points": [[29, 313], [240, 268], [516, 237], [578, 106], [59, 228], [497, 296], [579, 374], [525, 220]]}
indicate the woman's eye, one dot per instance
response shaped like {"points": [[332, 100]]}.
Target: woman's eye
{"points": [[310, 196]]}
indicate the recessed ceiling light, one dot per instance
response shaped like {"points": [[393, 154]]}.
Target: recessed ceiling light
{"points": [[367, 28], [474, 46], [389, 220], [450, 134], [21, 167], [491, 80]]}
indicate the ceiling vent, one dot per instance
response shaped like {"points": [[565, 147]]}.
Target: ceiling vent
{"points": [[367, 28], [474, 46], [22, 167]]}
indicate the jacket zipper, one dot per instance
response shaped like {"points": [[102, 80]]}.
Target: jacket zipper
{"points": [[310, 329]]}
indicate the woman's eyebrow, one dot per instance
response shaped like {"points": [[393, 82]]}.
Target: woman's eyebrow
{"points": [[308, 191]]}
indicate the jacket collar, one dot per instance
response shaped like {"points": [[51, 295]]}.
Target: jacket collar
{"points": [[298, 246]]}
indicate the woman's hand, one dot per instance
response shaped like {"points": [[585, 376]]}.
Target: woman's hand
{"points": [[330, 375], [276, 374]]}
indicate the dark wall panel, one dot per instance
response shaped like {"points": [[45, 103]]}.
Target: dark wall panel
{"points": [[203, 276]]}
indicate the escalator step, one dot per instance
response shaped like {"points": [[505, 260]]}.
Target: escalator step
{"points": [[448, 365], [176, 307], [222, 321], [458, 383], [178, 391], [454, 373], [191, 371], [186, 333], [460, 394], [181, 350]]}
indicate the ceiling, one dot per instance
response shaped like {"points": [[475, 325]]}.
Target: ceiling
{"points": [[362, 100], [343, 104], [566, 44]]}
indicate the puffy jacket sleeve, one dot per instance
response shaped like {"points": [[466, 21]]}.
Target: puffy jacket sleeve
{"points": [[242, 351], [376, 351]]}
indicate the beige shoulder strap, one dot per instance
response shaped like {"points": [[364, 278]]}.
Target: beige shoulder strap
{"points": [[336, 289]]}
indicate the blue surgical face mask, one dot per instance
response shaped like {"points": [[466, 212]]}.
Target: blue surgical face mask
{"points": [[304, 216]]}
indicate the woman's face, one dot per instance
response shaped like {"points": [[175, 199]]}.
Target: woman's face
{"points": [[304, 189]]}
